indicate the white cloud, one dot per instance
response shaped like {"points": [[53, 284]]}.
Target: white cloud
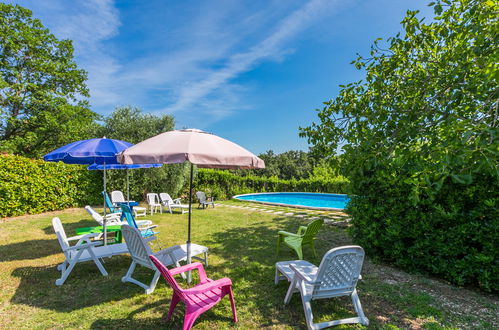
{"points": [[269, 48], [186, 67]]}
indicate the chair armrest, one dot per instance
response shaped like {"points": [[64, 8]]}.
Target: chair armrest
{"points": [[113, 215], [201, 288], [142, 222], [148, 227], [301, 229], [303, 276], [287, 233], [170, 252], [83, 246], [149, 239], [186, 268], [177, 201], [84, 236]]}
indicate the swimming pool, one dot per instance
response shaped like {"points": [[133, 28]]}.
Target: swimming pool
{"points": [[300, 199]]}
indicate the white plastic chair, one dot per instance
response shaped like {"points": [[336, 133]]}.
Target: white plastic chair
{"points": [[336, 276], [113, 218], [83, 250], [170, 203], [140, 252], [118, 197], [203, 200], [153, 202]]}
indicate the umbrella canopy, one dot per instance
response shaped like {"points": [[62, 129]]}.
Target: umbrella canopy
{"points": [[122, 167], [198, 147], [92, 151], [195, 146]]}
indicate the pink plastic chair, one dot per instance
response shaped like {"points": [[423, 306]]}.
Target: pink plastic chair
{"points": [[198, 299]]}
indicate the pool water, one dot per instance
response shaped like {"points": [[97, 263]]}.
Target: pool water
{"points": [[311, 200]]}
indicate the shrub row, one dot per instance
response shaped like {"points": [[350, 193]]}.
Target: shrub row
{"points": [[29, 186], [224, 184], [451, 234]]}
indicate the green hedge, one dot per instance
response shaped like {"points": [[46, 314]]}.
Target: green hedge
{"points": [[29, 186], [452, 234], [224, 184]]}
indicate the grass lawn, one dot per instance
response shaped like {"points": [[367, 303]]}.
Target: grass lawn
{"points": [[242, 245]]}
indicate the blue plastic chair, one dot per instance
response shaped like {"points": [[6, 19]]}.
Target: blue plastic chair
{"points": [[128, 215], [109, 204]]}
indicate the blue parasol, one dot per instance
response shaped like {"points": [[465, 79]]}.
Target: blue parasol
{"points": [[122, 167], [93, 151]]}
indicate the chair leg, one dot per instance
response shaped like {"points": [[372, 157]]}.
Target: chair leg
{"points": [[129, 273], [233, 305], [154, 282], [313, 249], [68, 270], [278, 243], [307, 308], [97, 262], [190, 318], [291, 290], [358, 308], [173, 304], [299, 252]]}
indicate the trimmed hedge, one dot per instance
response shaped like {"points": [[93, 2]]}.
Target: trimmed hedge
{"points": [[224, 184], [452, 234], [29, 186]]}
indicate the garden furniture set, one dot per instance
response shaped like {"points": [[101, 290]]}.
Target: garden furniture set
{"points": [[337, 275]]}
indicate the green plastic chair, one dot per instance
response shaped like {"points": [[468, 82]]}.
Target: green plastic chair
{"points": [[304, 236]]}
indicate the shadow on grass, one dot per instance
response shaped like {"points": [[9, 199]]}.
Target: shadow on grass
{"points": [[71, 226], [250, 254], [34, 249], [161, 306], [40, 248], [84, 287]]}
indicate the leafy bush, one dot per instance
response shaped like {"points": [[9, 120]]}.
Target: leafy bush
{"points": [[420, 144], [224, 185], [34, 186]]}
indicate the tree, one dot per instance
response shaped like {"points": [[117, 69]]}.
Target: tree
{"points": [[42, 92], [420, 144], [131, 125], [293, 164]]}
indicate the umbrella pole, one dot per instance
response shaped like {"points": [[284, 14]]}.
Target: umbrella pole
{"points": [[189, 227], [104, 222], [127, 187]]}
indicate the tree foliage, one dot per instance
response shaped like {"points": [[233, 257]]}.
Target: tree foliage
{"points": [[131, 125], [419, 136], [293, 164], [42, 92]]}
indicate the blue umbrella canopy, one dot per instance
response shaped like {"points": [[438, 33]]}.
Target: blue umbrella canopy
{"points": [[92, 151], [121, 166]]}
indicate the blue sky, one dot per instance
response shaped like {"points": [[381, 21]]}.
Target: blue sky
{"points": [[249, 71]]}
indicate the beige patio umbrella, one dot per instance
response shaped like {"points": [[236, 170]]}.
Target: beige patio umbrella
{"points": [[195, 146]]}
